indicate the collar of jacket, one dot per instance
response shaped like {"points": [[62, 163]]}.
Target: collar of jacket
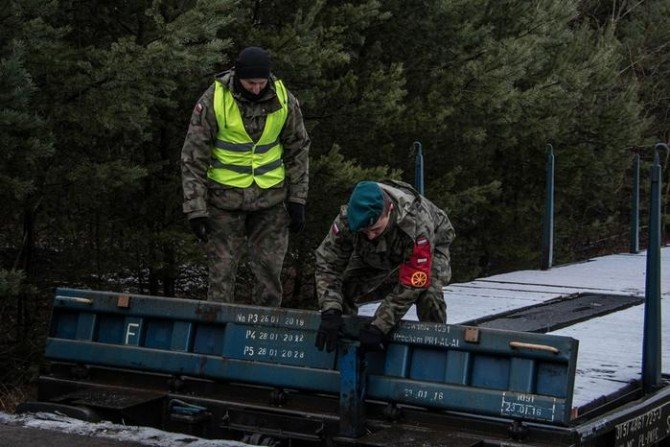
{"points": [[226, 78], [406, 209]]}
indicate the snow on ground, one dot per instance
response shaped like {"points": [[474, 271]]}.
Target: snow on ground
{"points": [[610, 347], [143, 435]]}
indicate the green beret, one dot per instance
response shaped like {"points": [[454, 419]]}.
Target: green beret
{"points": [[366, 205]]}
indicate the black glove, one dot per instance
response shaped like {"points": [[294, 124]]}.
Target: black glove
{"points": [[329, 330], [200, 227], [297, 213], [372, 339]]}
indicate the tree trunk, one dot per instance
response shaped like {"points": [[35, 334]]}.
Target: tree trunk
{"points": [[169, 271], [26, 261]]}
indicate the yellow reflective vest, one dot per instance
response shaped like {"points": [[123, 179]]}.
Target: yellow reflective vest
{"points": [[236, 159]]}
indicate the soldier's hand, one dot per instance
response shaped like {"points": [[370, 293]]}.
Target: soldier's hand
{"points": [[296, 212], [329, 330], [200, 227], [372, 339]]}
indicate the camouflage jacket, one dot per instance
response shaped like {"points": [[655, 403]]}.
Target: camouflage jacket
{"points": [[414, 218], [201, 192]]}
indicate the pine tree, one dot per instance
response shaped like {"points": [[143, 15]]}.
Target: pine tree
{"points": [[488, 85], [117, 94]]}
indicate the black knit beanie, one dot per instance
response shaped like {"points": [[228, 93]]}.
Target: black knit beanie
{"points": [[253, 62]]}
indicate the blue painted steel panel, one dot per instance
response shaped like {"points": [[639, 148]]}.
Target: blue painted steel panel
{"points": [[523, 380], [421, 358], [209, 339], [182, 336], [64, 324], [397, 360], [552, 380], [158, 334], [109, 329], [520, 375], [458, 367], [85, 325], [134, 330], [490, 372]]}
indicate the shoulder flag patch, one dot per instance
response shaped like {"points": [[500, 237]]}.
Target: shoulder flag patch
{"points": [[415, 272]]}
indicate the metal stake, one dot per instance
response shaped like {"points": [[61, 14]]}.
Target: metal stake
{"points": [[548, 221]]}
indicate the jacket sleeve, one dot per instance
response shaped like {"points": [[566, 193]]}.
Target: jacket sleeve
{"points": [[196, 154], [296, 144], [332, 258], [444, 235], [438, 232]]}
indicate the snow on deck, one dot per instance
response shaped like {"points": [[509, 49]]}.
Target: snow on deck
{"points": [[610, 347]]}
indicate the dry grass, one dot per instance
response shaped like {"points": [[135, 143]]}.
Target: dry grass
{"points": [[12, 396]]}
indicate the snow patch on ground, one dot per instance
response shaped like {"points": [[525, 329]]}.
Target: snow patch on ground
{"points": [[143, 435]]}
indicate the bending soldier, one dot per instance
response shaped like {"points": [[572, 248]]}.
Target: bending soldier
{"points": [[388, 233], [245, 175]]}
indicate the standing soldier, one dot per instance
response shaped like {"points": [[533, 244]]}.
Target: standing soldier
{"points": [[387, 233], [244, 174]]}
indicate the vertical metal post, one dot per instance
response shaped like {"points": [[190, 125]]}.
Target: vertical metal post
{"points": [[651, 346], [548, 220], [418, 167], [352, 390], [635, 207]]}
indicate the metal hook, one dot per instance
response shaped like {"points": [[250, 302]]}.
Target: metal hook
{"points": [[416, 147], [657, 149], [550, 149]]}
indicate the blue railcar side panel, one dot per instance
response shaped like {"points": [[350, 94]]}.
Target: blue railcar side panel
{"points": [[157, 334], [397, 360], [85, 326], [458, 367], [551, 379], [182, 336], [490, 372], [109, 329], [469, 399], [523, 380], [499, 373], [424, 357], [195, 365], [209, 338], [134, 331], [64, 324]]}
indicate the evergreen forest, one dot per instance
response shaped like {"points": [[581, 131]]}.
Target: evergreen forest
{"points": [[96, 97]]}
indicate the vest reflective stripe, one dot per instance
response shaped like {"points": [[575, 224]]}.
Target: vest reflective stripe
{"points": [[245, 147], [236, 159], [247, 169], [234, 147]]}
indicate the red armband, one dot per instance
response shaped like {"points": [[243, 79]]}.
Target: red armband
{"points": [[415, 272]]}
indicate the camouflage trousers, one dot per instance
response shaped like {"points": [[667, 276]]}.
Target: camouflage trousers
{"points": [[265, 234], [362, 283]]}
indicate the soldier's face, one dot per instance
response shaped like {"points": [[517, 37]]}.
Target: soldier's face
{"points": [[375, 230], [254, 85]]}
